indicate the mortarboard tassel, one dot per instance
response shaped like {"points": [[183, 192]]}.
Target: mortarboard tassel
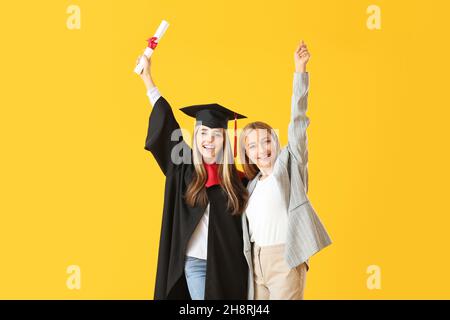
{"points": [[235, 134]]}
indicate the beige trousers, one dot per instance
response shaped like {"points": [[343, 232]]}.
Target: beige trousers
{"points": [[273, 279]]}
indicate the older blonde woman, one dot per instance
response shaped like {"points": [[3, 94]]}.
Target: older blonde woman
{"points": [[281, 229]]}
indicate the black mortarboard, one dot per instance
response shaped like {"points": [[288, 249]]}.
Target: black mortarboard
{"points": [[214, 116]]}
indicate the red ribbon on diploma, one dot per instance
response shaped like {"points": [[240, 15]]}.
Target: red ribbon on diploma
{"points": [[152, 42]]}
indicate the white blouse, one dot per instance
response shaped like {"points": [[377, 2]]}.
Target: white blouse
{"points": [[267, 213], [198, 244]]}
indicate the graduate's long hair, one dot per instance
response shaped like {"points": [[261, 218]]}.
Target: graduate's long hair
{"points": [[251, 169], [228, 176]]}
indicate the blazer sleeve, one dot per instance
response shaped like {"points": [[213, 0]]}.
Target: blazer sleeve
{"points": [[299, 122], [164, 137]]}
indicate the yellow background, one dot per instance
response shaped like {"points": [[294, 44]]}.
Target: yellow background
{"points": [[78, 188]]}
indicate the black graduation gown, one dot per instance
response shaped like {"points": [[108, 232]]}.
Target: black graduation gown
{"points": [[226, 275]]}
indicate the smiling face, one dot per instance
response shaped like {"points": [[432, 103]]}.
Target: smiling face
{"points": [[260, 149], [209, 142]]}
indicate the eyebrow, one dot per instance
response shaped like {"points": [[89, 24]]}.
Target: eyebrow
{"points": [[213, 130]]}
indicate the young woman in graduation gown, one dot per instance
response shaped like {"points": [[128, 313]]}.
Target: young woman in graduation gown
{"points": [[201, 245]]}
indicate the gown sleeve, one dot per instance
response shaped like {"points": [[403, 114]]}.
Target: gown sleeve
{"points": [[164, 137]]}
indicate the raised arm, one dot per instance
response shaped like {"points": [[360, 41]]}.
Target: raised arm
{"points": [[164, 139], [297, 137]]}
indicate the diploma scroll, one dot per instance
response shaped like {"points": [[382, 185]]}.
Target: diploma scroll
{"points": [[152, 43]]}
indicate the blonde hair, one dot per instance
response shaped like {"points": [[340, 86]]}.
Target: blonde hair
{"points": [[251, 169], [228, 176]]}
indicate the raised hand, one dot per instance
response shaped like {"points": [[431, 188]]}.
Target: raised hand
{"points": [[301, 57], [146, 75]]}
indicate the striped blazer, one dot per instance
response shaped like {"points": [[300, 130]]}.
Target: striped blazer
{"points": [[306, 234]]}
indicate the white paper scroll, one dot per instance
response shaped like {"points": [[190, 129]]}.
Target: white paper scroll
{"points": [[152, 42]]}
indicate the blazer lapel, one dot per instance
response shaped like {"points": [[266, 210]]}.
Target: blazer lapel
{"points": [[252, 184]]}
